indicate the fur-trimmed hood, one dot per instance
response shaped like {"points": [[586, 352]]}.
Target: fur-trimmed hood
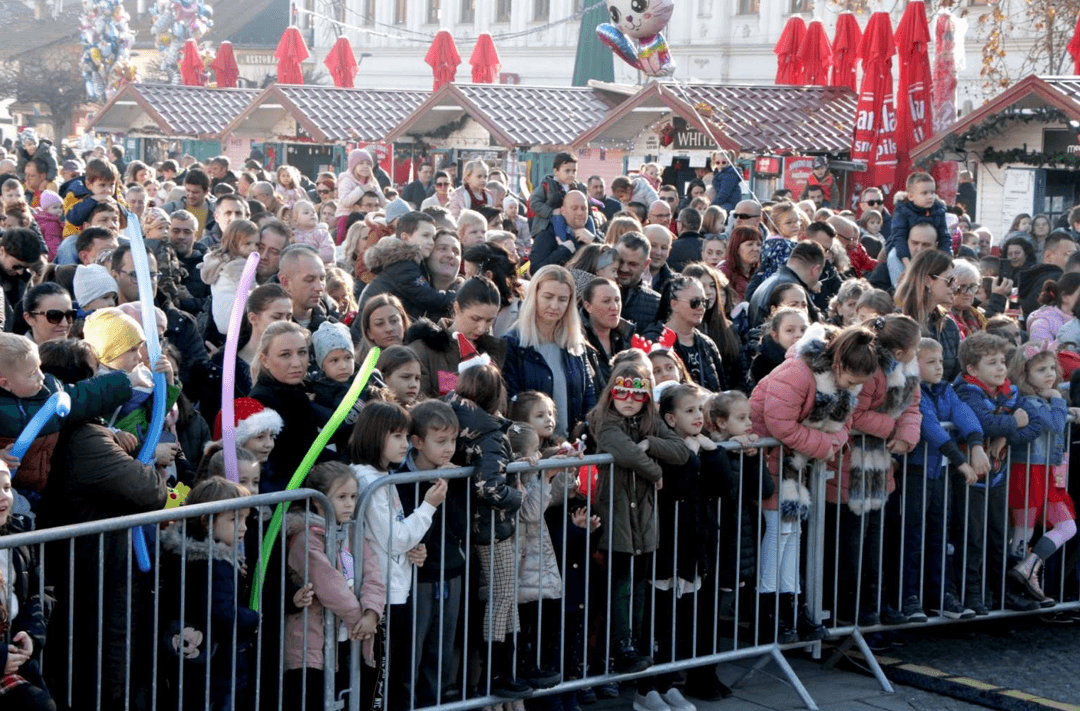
{"points": [[390, 250], [439, 338], [192, 550], [833, 405], [902, 381]]}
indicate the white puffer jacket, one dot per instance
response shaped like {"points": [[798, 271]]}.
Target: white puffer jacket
{"points": [[538, 569]]}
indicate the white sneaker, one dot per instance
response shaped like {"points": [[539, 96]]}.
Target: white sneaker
{"points": [[676, 701], [650, 702]]}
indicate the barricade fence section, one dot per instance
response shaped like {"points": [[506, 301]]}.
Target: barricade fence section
{"points": [[183, 635], [571, 575]]}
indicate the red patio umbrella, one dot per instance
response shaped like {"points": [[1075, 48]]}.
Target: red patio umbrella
{"points": [[192, 72], [1074, 48], [789, 69], [913, 116], [815, 53], [290, 51], [875, 115], [845, 51], [443, 58], [341, 63], [485, 60], [224, 66]]}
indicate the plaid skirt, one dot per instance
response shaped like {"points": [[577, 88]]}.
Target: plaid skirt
{"points": [[498, 566]]}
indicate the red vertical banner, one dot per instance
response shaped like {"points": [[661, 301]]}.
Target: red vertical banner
{"points": [[914, 124]]}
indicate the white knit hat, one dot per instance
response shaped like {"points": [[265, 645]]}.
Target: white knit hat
{"points": [[328, 338], [92, 282]]}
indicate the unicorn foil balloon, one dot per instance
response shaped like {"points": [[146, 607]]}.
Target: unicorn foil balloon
{"points": [[634, 34]]}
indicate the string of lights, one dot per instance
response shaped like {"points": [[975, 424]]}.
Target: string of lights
{"points": [[403, 33]]}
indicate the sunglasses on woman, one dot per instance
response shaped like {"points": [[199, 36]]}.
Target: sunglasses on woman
{"points": [[950, 282], [55, 316]]}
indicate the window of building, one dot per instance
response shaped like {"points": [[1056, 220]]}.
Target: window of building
{"points": [[401, 11], [807, 6], [502, 11], [468, 10], [433, 12], [749, 7], [369, 13], [541, 9]]}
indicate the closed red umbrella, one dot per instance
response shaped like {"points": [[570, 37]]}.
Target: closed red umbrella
{"points": [[224, 66], [1074, 48], [290, 52], [789, 69], [914, 122], [845, 51], [443, 58], [485, 60], [341, 63], [191, 66], [943, 94], [875, 115], [815, 53]]}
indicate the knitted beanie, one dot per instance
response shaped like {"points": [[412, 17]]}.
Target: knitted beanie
{"points": [[252, 418], [328, 338], [112, 333], [93, 282], [357, 155], [48, 199], [397, 208]]}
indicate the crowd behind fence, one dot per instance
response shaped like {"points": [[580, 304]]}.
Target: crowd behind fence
{"points": [[936, 551]]}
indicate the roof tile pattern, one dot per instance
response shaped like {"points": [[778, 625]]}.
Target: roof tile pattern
{"points": [[354, 114], [776, 118], [195, 110], [538, 116]]}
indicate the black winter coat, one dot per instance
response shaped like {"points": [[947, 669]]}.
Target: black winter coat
{"points": [[687, 516], [34, 608], [302, 421], [399, 270], [739, 516]]}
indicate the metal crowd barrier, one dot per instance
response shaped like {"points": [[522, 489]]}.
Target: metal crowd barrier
{"points": [[85, 577], [685, 626]]}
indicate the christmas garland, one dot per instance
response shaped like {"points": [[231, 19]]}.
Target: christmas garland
{"points": [[1025, 157], [996, 125]]}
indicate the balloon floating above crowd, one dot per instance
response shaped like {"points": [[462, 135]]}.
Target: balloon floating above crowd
{"points": [[107, 40], [640, 21], [175, 22]]}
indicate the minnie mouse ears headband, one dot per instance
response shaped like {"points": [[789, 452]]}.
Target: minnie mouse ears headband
{"points": [[1034, 348], [665, 343]]}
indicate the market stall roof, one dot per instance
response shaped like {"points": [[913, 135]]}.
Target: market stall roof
{"points": [[327, 114], [515, 116], [1060, 92], [171, 110], [753, 119]]}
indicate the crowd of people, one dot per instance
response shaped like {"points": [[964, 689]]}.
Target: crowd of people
{"points": [[650, 322]]}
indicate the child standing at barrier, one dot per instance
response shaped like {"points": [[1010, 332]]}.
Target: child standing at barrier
{"points": [[207, 554], [379, 442], [980, 507], [806, 404], [537, 409], [332, 581], [433, 432], [926, 576], [540, 583], [478, 398], [628, 427], [886, 422], [688, 537], [1039, 471], [22, 613]]}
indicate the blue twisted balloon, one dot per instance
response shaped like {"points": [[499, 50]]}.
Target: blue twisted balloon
{"points": [[153, 346], [59, 403]]}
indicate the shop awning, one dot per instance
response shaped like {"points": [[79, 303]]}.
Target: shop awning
{"points": [[743, 118], [325, 114], [1033, 92], [171, 110], [514, 116]]}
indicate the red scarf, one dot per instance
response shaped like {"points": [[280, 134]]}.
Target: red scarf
{"points": [[1005, 389]]}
